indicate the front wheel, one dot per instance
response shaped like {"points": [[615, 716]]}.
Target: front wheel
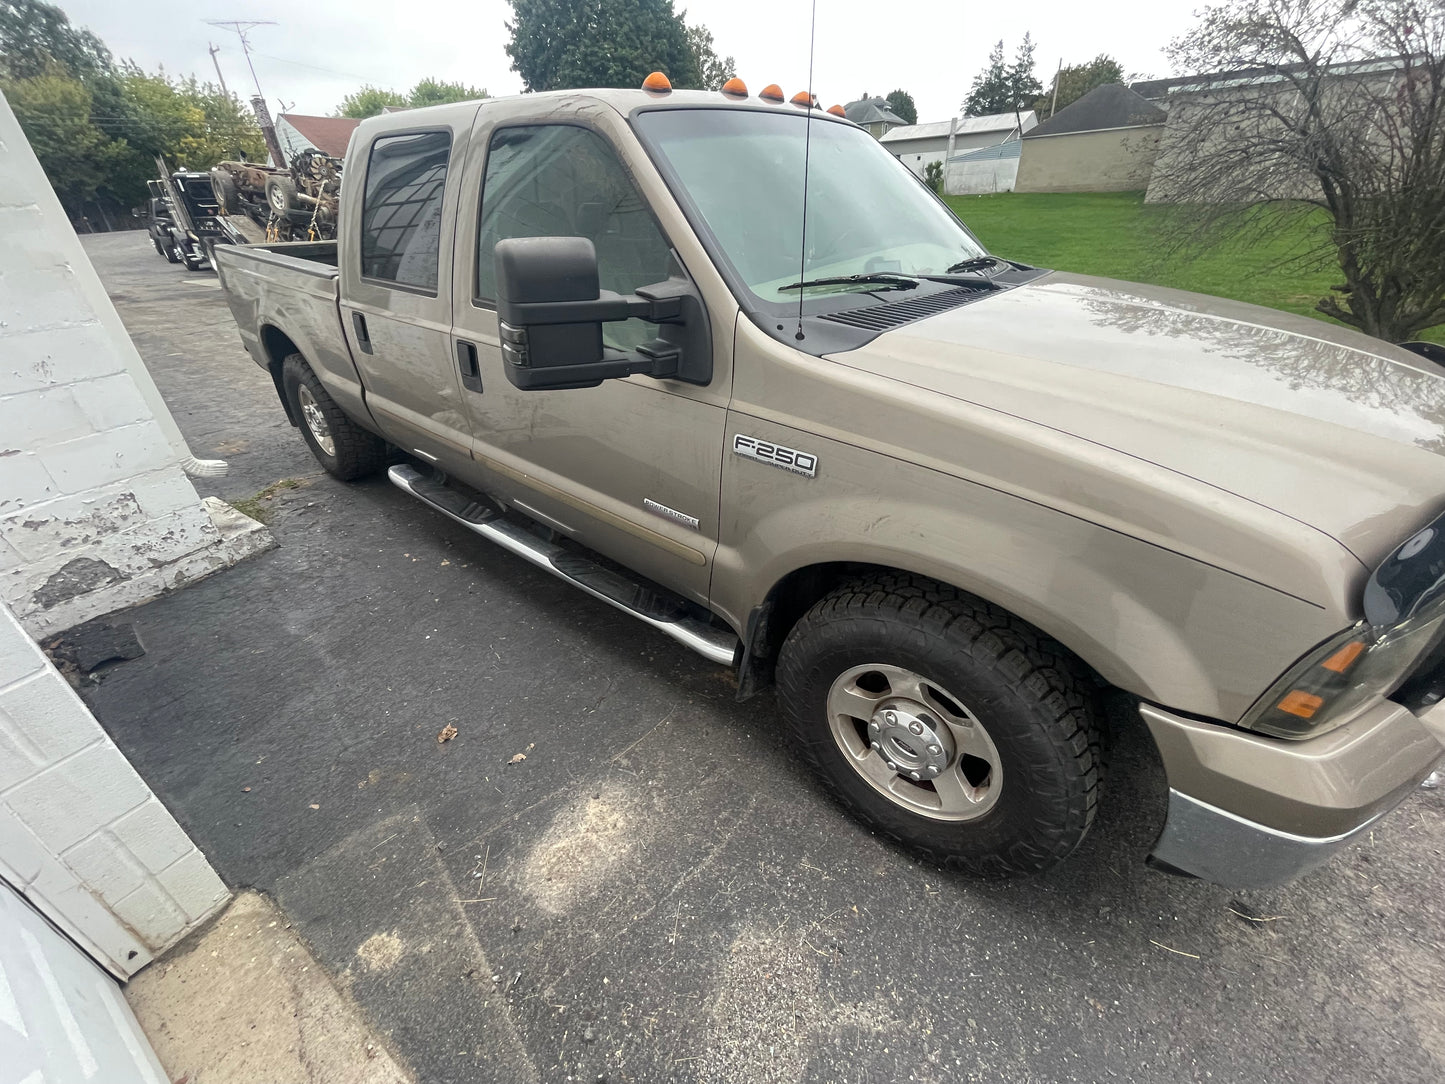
{"points": [[344, 448], [945, 724]]}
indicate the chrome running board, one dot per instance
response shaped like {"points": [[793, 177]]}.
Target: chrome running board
{"points": [[652, 605]]}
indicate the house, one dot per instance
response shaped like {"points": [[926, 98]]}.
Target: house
{"points": [[915, 145], [874, 114], [1104, 142], [329, 135]]}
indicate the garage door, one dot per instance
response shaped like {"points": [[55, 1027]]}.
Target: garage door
{"points": [[62, 1019]]}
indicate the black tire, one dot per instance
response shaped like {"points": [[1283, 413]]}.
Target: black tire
{"points": [[281, 194], [172, 253], [160, 248], [224, 188], [1032, 699], [357, 451]]}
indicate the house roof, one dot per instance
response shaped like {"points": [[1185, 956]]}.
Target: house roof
{"points": [[1156, 90], [329, 135], [1009, 149], [872, 111], [1112, 105], [994, 122]]}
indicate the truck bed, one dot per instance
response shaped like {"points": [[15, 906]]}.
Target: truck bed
{"points": [[291, 286]]}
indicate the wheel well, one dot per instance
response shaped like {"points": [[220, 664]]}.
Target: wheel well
{"points": [[278, 347], [794, 595]]}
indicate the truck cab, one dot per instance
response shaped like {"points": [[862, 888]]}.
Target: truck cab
{"points": [[949, 504]]}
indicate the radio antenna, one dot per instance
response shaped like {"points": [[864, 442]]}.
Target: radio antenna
{"points": [[807, 149]]}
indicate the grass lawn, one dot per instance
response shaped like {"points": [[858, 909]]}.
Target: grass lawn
{"points": [[1114, 234]]}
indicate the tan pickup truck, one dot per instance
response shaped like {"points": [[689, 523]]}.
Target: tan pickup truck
{"points": [[947, 503]]}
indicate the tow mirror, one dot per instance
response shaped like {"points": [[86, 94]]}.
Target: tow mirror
{"points": [[551, 308]]}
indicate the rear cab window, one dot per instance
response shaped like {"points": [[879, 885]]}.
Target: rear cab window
{"points": [[401, 209]]}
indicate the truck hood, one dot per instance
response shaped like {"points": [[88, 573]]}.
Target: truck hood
{"points": [[1332, 428]]}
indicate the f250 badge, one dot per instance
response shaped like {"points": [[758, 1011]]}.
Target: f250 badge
{"points": [[775, 455]]}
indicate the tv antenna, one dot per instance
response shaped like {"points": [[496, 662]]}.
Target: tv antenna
{"points": [[240, 27]]}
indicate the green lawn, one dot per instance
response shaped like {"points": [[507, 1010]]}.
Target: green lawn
{"points": [[1115, 235]]}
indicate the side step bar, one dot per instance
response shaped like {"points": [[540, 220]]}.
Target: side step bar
{"points": [[663, 611]]}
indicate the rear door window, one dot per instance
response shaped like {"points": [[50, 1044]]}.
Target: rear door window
{"points": [[401, 209]]}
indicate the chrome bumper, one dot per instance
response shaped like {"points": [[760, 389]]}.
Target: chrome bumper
{"points": [[1247, 811]]}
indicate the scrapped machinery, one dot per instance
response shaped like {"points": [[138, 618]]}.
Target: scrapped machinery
{"points": [[267, 204]]}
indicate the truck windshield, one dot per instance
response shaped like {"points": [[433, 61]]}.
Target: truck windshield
{"points": [[742, 172]]}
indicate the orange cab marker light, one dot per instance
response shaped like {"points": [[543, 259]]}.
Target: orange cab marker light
{"points": [[837, 111], [657, 82], [735, 88], [1345, 657], [803, 98], [1303, 704], [772, 93]]}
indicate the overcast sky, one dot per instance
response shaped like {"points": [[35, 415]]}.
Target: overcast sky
{"points": [[319, 50]]}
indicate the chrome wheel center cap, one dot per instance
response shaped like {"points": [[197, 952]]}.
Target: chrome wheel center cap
{"points": [[911, 742]]}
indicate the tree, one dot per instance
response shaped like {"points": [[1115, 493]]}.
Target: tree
{"points": [[1002, 87], [901, 102], [560, 44], [933, 175], [35, 36], [438, 92], [1073, 81], [712, 71], [1343, 111], [369, 101], [53, 109]]}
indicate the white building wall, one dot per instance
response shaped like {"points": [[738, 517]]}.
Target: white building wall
{"points": [[81, 835], [95, 511], [980, 178]]}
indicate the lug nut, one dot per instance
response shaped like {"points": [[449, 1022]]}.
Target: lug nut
{"points": [[916, 727], [913, 774], [935, 750], [874, 745], [891, 766], [873, 726], [891, 717]]}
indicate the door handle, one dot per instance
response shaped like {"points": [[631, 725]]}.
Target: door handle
{"points": [[467, 363], [358, 322]]}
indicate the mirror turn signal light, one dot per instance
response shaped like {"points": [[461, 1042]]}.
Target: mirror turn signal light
{"points": [[735, 88], [1298, 702], [771, 93], [658, 83], [837, 111]]}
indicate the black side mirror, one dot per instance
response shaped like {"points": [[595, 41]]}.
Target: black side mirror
{"points": [[551, 309]]}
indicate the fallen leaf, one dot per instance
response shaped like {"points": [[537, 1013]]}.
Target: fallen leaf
{"points": [[245, 790], [448, 733], [445, 563], [315, 806], [517, 758], [532, 746]]}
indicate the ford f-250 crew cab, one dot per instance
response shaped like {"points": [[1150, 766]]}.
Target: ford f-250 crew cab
{"points": [[945, 502]]}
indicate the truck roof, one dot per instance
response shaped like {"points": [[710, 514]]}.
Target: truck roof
{"points": [[624, 101]]}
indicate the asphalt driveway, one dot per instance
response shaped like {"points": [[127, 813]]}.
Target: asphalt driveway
{"points": [[656, 893]]}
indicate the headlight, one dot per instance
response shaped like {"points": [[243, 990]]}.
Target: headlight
{"points": [[1326, 688]]}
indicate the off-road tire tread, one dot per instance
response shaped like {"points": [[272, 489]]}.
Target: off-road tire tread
{"points": [[359, 452], [1046, 679]]}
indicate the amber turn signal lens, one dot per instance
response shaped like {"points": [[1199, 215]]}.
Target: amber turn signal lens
{"points": [[735, 88], [837, 111], [772, 93], [658, 82], [1345, 657], [1303, 704]]}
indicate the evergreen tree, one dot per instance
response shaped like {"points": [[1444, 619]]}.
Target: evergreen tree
{"points": [[901, 102], [1002, 87], [560, 44]]}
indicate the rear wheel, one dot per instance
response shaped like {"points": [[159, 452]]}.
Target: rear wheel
{"points": [[945, 724], [281, 194], [160, 248], [172, 252], [344, 448]]}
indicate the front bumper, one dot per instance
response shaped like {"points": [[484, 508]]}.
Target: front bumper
{"points": [[1247, 811]]}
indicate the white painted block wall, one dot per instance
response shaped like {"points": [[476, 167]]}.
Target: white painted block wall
{"points": [[95, 511], [81, 835]]}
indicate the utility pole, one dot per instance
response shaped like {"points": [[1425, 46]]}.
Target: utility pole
{"points": [[258, 101], [214, 50]]}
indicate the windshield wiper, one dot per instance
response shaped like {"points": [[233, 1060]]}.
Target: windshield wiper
{"points": [[886, 281], [976, 263]]}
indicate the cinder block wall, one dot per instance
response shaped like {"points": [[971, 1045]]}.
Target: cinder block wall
{"points": [[81, 835], [95, 512]]}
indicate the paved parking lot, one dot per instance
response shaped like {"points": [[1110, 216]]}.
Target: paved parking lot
{"points": [[657, 893]]}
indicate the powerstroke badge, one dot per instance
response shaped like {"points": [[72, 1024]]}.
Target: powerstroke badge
{"points": [[775, 455]]}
